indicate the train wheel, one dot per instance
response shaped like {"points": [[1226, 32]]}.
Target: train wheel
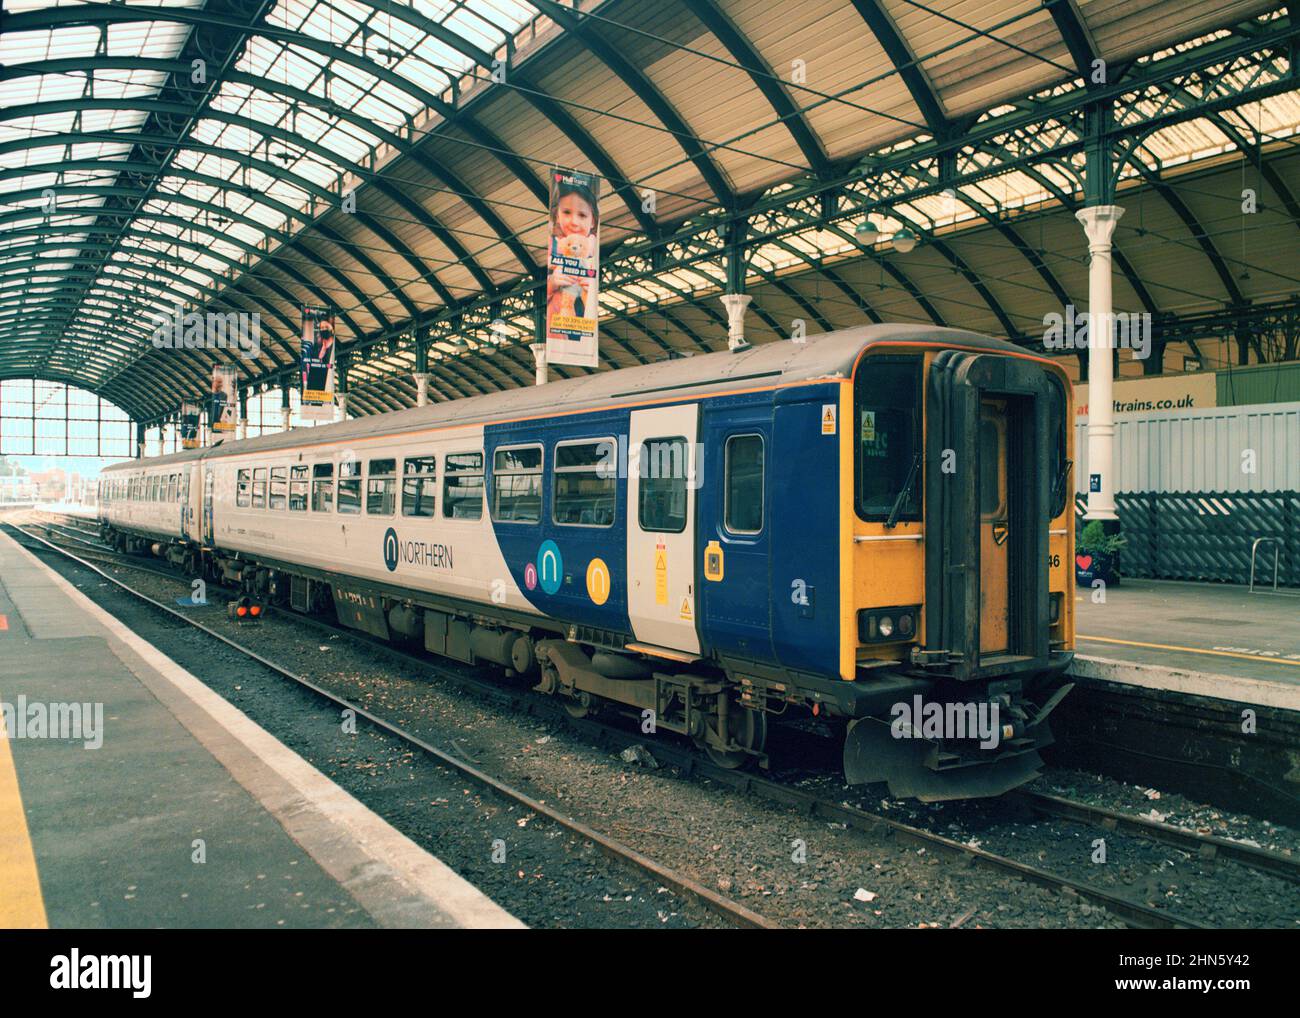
{"points": [[745, 728], [579, 705]]}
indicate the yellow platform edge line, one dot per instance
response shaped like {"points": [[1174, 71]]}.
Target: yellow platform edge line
{"points": [[21, 905], [1193, 650]]}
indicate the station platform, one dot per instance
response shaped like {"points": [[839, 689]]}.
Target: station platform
{"points": [[1201, 639], [171, 808]]}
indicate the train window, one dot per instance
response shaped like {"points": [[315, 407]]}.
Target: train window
{"points": [[743, 489], [517, 484], [380, 487], [462, 486], [298, 488], [259, 487], [586, 480], [173, 487], [887, 416], [279, 487], [243, 489], [322, 488], [419, 484], [663, 465], [350, 487], [153, 488]]}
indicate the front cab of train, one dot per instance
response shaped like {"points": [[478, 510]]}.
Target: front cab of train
{"points": [[960, 623]]}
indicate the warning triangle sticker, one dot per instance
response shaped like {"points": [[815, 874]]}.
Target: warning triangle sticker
{"points": [[685, 611]]}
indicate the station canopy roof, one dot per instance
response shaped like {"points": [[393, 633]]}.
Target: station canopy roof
{"points": [[390, 160]]}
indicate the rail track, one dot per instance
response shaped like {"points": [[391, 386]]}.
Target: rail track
{"points": [[1134, 913], [730, 910], [1204, 845]]}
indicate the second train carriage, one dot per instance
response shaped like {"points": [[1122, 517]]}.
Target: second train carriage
{"points": [[838, 527]]}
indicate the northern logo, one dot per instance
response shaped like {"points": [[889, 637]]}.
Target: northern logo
{"points": [[415, 553]]}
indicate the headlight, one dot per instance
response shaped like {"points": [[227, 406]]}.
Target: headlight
{"points": [[882, 625]]}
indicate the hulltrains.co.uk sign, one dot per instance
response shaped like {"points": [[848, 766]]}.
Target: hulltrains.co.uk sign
{"points": [[1139, 395]]}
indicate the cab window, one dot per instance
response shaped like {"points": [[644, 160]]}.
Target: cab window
{"points": [[887, 438]]}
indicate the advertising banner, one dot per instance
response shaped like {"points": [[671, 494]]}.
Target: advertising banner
{"points": [[318, 354], [223, 405], [573, 270], [189, 425]]}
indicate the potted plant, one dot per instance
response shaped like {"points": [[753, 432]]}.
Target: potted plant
{"points": [[1096, 555]]}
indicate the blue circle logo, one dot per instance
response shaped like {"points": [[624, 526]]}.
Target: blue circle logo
{"points": [[390, 549], [550, 567]]}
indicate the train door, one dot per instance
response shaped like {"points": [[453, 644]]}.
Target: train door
{"points": [[995, 559], [207, 504], [184, 500], [986, 528], [736, 528], [661, 493]]}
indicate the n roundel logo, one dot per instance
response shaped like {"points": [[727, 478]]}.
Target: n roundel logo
{"points": [[390, 549]]}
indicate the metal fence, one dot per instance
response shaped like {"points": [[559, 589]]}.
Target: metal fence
{"points": [[1206, 535]]}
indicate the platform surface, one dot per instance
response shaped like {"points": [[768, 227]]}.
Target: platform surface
{"points": [[1217, 639], [176, 810]]}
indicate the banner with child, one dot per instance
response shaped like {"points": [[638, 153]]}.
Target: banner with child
{"points": [[573, 270]]}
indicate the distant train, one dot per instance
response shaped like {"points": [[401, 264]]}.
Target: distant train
{"points": [[851, 527]]}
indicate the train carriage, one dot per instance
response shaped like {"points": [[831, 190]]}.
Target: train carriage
{"points": [[836, 528]]}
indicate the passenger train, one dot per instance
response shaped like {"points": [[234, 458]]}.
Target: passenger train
{"points": [[840, 528]]}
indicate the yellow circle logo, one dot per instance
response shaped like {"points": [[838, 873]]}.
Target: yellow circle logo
{"points": [[598, 581]]}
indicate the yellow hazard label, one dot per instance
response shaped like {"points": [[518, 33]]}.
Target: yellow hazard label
{"points": [[686, 613], [828, 418], [661, 574]]}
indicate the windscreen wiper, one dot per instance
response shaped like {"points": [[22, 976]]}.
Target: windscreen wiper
{"points": [[1061, 477], [902, 495]]}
